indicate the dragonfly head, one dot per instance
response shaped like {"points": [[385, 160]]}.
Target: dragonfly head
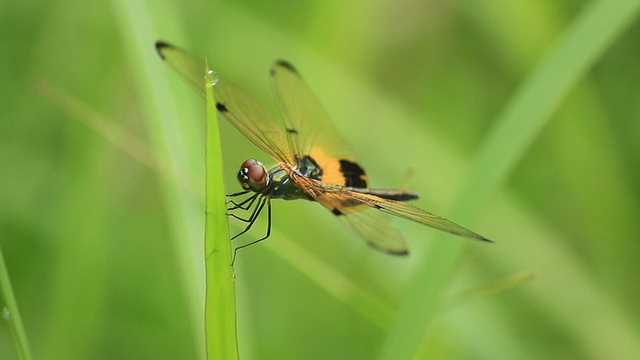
{"points": [[253, 176]]}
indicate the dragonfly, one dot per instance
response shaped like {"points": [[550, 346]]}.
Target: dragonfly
{"points": [[314, 163]]}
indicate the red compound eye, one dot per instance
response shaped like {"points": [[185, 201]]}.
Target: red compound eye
{"points": [[253, 176], [257, 173], [248, 163]]}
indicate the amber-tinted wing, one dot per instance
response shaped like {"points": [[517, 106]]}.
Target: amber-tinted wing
{"points": [[246, 114], [365, 214], [375, 228], [310, 129]]}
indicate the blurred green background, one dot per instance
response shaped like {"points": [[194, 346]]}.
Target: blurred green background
{"points": [[102, 239]]}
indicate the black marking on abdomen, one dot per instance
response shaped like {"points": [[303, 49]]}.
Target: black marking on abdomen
{"points": [[221, 107], [336, 212], [399, 195], [353, 174]]}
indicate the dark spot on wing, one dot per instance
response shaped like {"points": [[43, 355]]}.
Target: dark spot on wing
{"points": [[353, 174], [336, 212], [161, 45], [285, 64], [292, 131], [221, 107]]}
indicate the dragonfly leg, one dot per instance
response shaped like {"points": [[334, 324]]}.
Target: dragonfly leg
{"points": [[253, 213], [241, 205], [235, 251], [253, 217], [238, 193]]}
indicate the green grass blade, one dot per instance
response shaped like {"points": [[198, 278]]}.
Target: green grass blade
{"points": [[220, 324], [489, 289], [116, 135], [174, 138], [520, 122], [368, 304], [220, 296], [11, 314]]}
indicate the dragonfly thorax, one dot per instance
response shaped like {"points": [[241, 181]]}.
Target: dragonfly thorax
{"points": [[307, 166], [253, 176]]}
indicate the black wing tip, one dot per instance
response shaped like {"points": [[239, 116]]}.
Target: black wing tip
{"points": [[478, 237], [402, 252], [161, 45], [399, 253], [284, 64], [484, 239]]}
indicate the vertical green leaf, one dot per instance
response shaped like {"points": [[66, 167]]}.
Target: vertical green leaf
{"points": [[220, 297], [11, 314]]}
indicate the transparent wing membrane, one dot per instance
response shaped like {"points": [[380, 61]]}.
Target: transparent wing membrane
{"points": [[302, 111], [358, 209], [375, 228], [246, 114]]}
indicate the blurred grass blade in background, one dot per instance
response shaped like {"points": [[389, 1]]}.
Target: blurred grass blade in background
{"points": [[170, 125], [10, 313], [520, 122], [220, 296], [489, 289], [108, 129]]}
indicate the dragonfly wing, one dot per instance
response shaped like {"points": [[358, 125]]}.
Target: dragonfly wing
{"points": [[246, 114], [410, 212], [359, 211], [303, 114], [375, 228], [369, 224], [253, 120]]}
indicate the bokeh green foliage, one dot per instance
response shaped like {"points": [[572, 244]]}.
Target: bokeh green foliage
{"points": [[104, 253]]}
